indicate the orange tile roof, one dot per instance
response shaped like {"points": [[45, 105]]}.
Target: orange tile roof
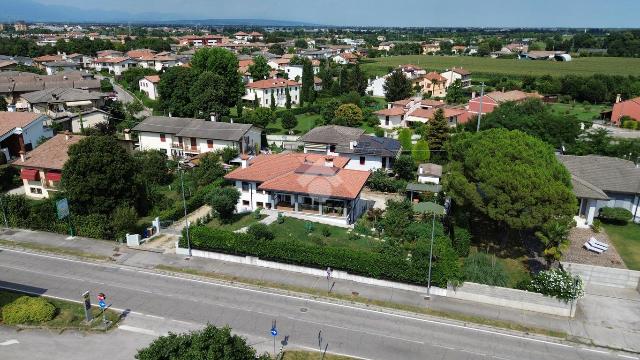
{"points": [[428, 113], [267, 167], [114, 60], [48, 58], [315, 180], [394, 111], [434, 76], [12, 120], [153, 78], [141, 53], [431, 102], [272, 83], [52, 154]]}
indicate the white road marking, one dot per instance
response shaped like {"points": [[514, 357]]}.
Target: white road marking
{"points": [[10, 342], [275, 294], [628, 357], [329, 352], [595, 351], [137, 330]]}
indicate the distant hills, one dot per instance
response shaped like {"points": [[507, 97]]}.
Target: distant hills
{"points": [[32, 11]]}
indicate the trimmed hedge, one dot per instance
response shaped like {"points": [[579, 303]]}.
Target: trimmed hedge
{"points": [[371, 264], [615, 215], [28, 310]]}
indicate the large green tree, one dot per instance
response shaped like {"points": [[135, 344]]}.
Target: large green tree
{"points": [[223, 63], [223, 201], [348, 115], [534, 118], [208, 96], [420, 152], [99, 176], [174, 90], [209, 343], [397, 86], [152, 167], [438, 131], [509, 177], [455, 93], [260, 69]]}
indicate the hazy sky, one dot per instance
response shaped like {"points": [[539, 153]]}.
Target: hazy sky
{"points": [[526, 13]]}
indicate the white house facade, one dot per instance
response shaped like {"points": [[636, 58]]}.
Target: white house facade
{"points": [[262, 91]]}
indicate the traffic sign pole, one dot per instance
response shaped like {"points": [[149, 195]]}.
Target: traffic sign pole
{"points": [[87, 307], [274, 333]]}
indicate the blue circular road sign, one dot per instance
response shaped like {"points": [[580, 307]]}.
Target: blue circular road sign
{"points": [[102, 304], [274, 332]]}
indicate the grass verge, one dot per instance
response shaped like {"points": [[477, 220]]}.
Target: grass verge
{"points": [[69, 315], [361, 300], [53, 249]]}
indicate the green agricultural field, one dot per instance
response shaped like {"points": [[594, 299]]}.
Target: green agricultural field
{"points": [[478, 65]]}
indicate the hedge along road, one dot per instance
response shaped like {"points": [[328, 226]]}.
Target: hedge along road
{"points": [[351, 330], [484, 65]]}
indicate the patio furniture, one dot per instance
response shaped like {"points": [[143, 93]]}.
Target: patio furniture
{"points": [[588, 246], [599, 244]]}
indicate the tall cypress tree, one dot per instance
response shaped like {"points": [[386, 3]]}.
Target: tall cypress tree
{"points": [[438, 131], [273, 102], [306, 93], [288, 95]]}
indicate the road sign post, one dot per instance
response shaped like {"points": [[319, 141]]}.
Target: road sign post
{"points": [[103, 306], [62, 208], [274, 333], [87, 307], [329, 273]]}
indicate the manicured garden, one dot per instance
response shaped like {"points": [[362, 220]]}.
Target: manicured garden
{"points": [[306, 122], [626, 239], [237, 221], [320, 234], [22, 309], [585, 112]]}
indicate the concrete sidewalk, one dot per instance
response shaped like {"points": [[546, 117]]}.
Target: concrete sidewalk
{"points": [[585, 327]]}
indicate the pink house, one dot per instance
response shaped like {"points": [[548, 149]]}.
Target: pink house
{"points": [[630, 108]]}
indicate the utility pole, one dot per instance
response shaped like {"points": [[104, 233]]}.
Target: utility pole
{"points": [[184, 203], [433, 228], [480, 111]]}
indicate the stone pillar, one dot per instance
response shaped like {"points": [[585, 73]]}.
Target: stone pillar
{"points": [[320, 208], [296, 202], [344, 210]]}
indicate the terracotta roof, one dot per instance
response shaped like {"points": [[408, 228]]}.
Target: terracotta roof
{"points": [[434, 76], [48, 58], [255, 33], [402, 103], [429, 113], [317, 180], [241, 33], [317, 80], [52, 154], [140, 53], [267, 167], [272, 83], [114, 60], [432, 103], [12, 120], [153, 78], [461, 71], [394, 111], [280, 61]]}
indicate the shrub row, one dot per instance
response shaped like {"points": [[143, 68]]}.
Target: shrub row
{"points": [[365, 263], [28, 310], [615, 215]]}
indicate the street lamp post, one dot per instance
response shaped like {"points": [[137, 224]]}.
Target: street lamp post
{"points": [[480, 111], [184, 203], [433, 228]]}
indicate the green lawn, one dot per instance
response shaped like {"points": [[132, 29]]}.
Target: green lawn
{"points": [[69, 315], [337, 237], [579, 66], [581, 111], [306, 122], [308, 355], [237, 222], [626, 239]]}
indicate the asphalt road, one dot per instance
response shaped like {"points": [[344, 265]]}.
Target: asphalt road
{"points": [[313, 323]]}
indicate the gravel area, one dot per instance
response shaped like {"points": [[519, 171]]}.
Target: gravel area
{"points": [[578, 254]]}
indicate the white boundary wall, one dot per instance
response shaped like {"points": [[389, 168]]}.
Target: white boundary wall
{"points": [[605, 276]]}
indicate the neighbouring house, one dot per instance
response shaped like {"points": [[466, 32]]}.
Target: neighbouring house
{"points": [[317, 83], [400, 113], [21, 131], [601, 181], [41, 60], [109, 54], [14, 84], [430, 48], [85, 119], [386, 46], [149, 85], [41, 168], [200, 41], [295, 71], [183, 137], [429, 173], [414, 73], [114, 65], [391, 117], [545, 55], [55, 67], [280, 64], [59, 104], [345, 58], [434, 85], [630, 108], [263, 89], [315, 186], [457, 74], [8, 65], [365, 152], [453, 115], [493, 99]]}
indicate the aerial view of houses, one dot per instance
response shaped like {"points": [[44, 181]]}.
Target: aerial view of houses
{"points": [[346, 182]]}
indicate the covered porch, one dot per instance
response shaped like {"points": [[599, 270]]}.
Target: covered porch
{"points": [[315, 206]]}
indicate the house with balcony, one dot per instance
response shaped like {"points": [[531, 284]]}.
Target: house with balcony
{"points": [[262, 90], [41, 168], [21, 131], [186, 137], [457, 74], [74, 109], [315, 187], [365, 152], [433, 85], [114, 65], [398, 113]]}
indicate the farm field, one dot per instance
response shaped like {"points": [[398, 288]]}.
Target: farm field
{"points": [[579, 66]]}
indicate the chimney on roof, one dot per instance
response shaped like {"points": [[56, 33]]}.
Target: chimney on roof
{"points": [[328, 161], [213, 117], [22, 155], [244, 161], [618, 98], [420, 170], [352, 144]]}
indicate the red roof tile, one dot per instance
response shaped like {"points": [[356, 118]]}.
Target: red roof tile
{"points": [[12, 120], [394, 111], [272, 83], [267, 167], [52, 154]]}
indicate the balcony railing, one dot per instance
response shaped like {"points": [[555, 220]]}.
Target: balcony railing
{"points": [[185, 147]]}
